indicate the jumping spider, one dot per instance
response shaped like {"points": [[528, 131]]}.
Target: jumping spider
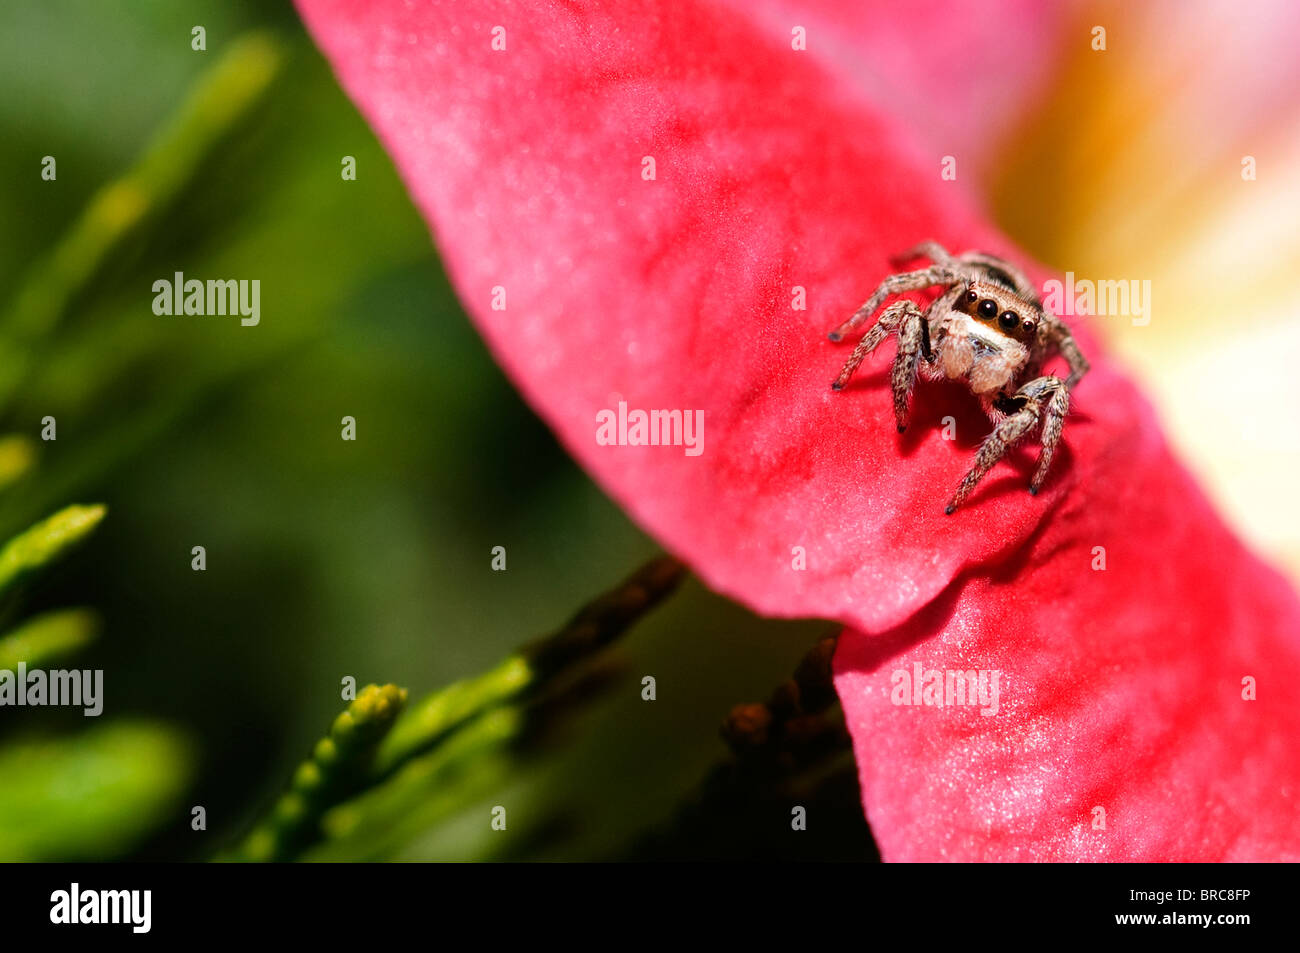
{"points": [[987, 328]]}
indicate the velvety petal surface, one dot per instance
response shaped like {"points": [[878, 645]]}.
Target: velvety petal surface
{"points": [[1142, 707]]}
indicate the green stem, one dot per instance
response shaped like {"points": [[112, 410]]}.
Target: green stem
{"points": [[456, 738], [533, 667]]}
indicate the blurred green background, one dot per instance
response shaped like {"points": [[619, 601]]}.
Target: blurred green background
{"points": [[325, 558]]}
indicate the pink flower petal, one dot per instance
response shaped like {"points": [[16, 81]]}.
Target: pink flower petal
{"points": [[773, 174], [677, 293], [1121, 691]]}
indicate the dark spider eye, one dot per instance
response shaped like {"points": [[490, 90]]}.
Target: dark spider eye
{"points": [[1030, 327], [988, 308], [1009, 320], [971, 297]]}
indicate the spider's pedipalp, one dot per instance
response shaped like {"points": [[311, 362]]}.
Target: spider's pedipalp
{"points": [[957, 354], [936, 319], [894, 284]]}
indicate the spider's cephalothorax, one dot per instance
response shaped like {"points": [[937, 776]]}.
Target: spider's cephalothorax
{"points": [[988, 329]]}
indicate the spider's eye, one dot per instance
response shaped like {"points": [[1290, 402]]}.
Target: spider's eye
{"points": [[971, 297], [1009, 320], [1030, 327], [988, 308]]}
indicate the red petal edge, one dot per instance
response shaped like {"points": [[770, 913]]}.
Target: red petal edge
{"points": [[1121, 688]]}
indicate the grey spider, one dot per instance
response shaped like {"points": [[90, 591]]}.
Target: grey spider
{"points": [[987, 328]]}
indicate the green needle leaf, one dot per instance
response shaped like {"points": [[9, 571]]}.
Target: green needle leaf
{"points": [[17, 454], [456, 739], [47, 541], [119, 210], [337, 764], [425, 791], [90, 796], [48, 637]]}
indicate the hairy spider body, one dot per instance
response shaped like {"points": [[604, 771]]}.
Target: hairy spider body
{"points": [[989, 330]]}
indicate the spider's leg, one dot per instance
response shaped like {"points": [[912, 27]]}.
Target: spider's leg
{"points": [[993, 449], [888, 322], [895, 284], [911, 336], [1019, 280], [929, 249], [1057, 406], [1036, 393], [1045, 398], [1069, 349]]}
